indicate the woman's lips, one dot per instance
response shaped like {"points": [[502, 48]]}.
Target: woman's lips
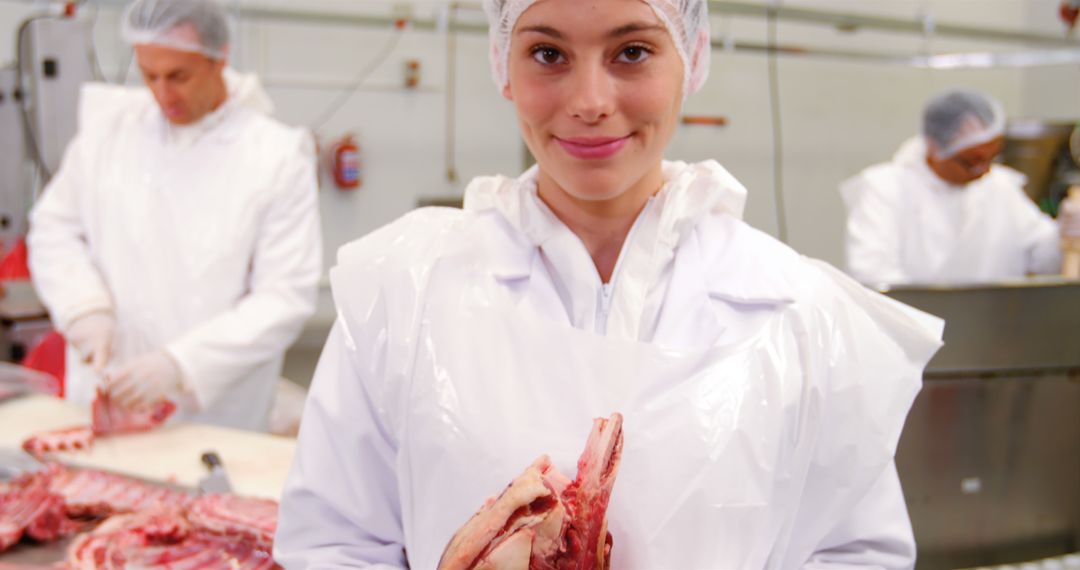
{"points": [[593, 148]]}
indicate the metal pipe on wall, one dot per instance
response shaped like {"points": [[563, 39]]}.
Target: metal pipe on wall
{"points": [[841, 20], [451, 92], [857, 21]]}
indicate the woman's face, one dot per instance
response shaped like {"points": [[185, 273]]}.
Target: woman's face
{"points": [[598, 87]]}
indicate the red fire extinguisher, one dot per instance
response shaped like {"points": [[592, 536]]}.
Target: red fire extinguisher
{"points": [[346, 163]]}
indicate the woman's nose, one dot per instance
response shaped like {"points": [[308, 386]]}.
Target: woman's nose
{"points": [[592, 93]]}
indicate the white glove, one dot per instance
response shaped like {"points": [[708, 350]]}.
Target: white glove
{"points": [[1069, 218], [145, 380], [92, 337]]}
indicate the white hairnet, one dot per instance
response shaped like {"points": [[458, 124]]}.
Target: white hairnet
{"points": [[686, 20], [958, 119], [198, 26]]}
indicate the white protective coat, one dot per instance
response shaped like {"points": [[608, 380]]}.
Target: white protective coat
{"points": [[907, 225], [203, 240], [763, 393]]}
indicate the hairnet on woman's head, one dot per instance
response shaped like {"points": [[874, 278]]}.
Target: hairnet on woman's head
{"points": [[959, 118], [198, 26], [686, 20]]}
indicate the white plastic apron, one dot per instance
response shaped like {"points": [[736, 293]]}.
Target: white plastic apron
{"points": [[713, 468]]}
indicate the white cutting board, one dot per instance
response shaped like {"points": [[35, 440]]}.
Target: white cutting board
{"points": [[257, 463]]}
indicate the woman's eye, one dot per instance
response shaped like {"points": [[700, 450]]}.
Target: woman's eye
{"points": [[633, 54], [547, 56]]}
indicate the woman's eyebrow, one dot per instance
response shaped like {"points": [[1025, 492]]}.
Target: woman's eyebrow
{"points": [[546, 30], [627, 29], [634, 28]]}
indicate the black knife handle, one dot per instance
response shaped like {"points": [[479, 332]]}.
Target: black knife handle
{"points": [[211, 459]]}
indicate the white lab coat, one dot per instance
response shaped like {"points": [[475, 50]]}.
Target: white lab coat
{"points": [[763, 393], [203, 240], [907, 225]]}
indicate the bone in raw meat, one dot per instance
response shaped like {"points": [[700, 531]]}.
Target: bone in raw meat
{"points": [[96, 494], [29, 508], [543, 521], [108, 419], [163, 539], [235, 516]]}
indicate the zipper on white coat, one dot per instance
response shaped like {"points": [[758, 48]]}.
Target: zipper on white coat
{"points": [[603, 308], [607, 290]]}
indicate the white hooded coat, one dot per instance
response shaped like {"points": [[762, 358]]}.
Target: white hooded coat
{"points": [[203, 240], [907, 225], [763, 393]]}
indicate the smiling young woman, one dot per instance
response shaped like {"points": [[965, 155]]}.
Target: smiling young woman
{"points": [[763, 393], [597, 105]]}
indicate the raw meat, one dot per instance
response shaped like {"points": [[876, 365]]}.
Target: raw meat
{"points": [[108, 419], [163, 539], [235, 516], [544, 521], [93, 494], [147, 526], [588, 544], [67, 439], [29, 508]]}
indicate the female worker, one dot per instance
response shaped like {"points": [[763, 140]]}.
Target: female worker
{"points": [[763, 393]]}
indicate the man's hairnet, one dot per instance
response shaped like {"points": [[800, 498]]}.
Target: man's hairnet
{"points": [[958, 119], [198, 26], [686, 20]]}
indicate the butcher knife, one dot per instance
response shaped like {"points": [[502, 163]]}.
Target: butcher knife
{"points": [[216, 481]]}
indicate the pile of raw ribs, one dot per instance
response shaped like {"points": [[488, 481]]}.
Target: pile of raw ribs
{"points": [[122, 522]]}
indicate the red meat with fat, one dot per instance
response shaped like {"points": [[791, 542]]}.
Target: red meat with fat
{"points": [[544, 521], [234, 516], [162, 539], [108, 419], [29, 508], [145, 526], [88, 493]]}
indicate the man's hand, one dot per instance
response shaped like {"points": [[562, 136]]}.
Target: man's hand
{"points": [[92, 337], [144, 380]]}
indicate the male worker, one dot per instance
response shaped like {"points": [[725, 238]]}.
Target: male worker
{"points": [[942, 212], [178, 247]]}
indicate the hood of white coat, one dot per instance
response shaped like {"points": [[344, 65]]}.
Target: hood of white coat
{"points": [[912, 155], [102, 103], [912, 152], [245, 90], [691, 191]]}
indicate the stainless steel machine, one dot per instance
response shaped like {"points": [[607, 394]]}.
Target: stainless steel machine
{"points": [[55, 59], [15, 180], [990, 456], [1045, 153], [39, 97]]}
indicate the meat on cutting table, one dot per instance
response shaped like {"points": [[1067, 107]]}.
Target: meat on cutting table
{"points": [[89, 493], [235, 516], [163, 539], [108, 419], [145, 525], [29, 507]]}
